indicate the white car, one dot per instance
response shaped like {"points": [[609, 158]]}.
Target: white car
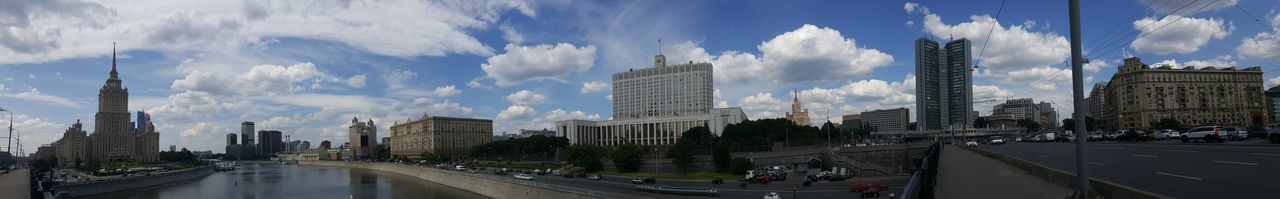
{"points": [[1236, 133], [772, 195], [1205, 133], [971, 143], [524, 176], [997, 140]]}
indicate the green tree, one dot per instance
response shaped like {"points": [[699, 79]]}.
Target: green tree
{"points": [[627, 157], [1031, 125], [1165, 123], [741, 165], [721, 157], [981, 123], [690, 142], [911, 126], [585, 156]]}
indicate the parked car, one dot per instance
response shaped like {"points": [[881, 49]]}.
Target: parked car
{"points": [[1235, 133], [1204, 133], [1258, 132], [864, 187], [772, 195], [1274, 135], [593, 177], [1168, 134], [1133, 136], [1096, 136], [971, 143], [524, 176], [997, 140]]}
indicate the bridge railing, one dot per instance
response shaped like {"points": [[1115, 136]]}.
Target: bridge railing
{"points": [[925, 176]]}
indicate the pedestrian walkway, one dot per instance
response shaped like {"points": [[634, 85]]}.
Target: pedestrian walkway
{"points": [[15, 184], [965, 174]]}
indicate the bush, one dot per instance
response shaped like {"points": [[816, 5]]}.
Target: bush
{"points": [[627, 157]]}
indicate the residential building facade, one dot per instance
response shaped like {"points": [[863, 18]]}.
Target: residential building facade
{"points": [[72, 148], [887, 119], [1273, 105], [439, 135], [1139, 94], [363, 137], [851, 121], [944, 84], [1097, 104]]}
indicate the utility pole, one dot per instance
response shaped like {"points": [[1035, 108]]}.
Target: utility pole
{"points": [[1077, 86], [9, 146]]}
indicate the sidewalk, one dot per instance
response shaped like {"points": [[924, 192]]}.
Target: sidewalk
{"points": [[965, 174], [15, 184]]}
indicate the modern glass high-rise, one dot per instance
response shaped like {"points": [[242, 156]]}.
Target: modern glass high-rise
{"points": [[246, 133], [944, 84]]}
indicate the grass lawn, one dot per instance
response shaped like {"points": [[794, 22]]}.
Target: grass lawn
{"points": [[676, 176]]}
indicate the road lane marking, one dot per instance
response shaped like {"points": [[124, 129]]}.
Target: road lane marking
{"points": [[1266, 154], [1095, 163], [1239, 163], [1180, 176], [1177, 150], [1142, 155]]}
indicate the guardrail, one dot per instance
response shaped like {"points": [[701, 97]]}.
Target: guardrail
{"points": [[925, 176], [531, 183]]}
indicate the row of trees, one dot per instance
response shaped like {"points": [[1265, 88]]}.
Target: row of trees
{"points": [[183, 156], [532, 147], [629, 157]]}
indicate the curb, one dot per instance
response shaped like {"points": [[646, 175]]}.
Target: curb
{"points": [[1102, 187]]}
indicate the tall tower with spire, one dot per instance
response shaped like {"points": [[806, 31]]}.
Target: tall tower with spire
{"points": [[112, 137], [798, 114]]}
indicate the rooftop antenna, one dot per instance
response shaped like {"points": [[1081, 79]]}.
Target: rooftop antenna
{"points": [[659, 46]]}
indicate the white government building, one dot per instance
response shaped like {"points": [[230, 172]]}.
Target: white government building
{"points": [[653, 106]]}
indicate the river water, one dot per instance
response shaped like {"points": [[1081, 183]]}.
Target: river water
{"points": [[272, 180]]}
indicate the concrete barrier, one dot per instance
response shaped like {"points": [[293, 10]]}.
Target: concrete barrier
{"points": [[486, 185], [81, 189], [1101, 187]]}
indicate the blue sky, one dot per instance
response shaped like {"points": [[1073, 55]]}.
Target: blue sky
{"points": [[200, 68]]}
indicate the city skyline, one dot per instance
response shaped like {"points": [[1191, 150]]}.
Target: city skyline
{"points": [[202, 73]]}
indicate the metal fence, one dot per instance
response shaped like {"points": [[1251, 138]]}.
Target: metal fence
{"points": [[925, 176]]}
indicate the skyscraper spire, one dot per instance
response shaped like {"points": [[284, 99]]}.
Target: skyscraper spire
{"points": [[113, 61]]}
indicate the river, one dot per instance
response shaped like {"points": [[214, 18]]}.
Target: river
{"points": [[273, 180]]}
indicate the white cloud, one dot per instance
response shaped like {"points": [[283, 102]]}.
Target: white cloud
{"points": [[540, 62], [445, 91], [261, 79], [34, 94], [1043, 78], [1008, 47], [397, 84], [36, 131], [910, 7], [1185, 7], [1218, 62], [205, 128], [517, 112], [46, 31], [560, 114], [990, 92], [32, 76], [1179, 35], [593, 86], [356, 81], [609, 97], [526, 98], [1264, 45], [511, 34], [763, 105], [1097, 65], [1274, 81], [790, 57]]}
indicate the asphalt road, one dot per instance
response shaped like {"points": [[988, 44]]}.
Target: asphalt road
{"points": [[730, 189], [1174, 170]]}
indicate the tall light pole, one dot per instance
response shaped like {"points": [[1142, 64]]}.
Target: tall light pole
{"points": [[1077, 86], [9, 146]]}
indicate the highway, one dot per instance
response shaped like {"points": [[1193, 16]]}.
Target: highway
{"points": [[1174, 170]]}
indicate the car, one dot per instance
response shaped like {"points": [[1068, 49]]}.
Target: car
{"points": [[864, 187], [1258, 132], [1274, 135], [996, 140], [566, 175], [717, 180], [971, 143], [637, 181], [524, 176], [1096, 136], [1204, 133], [1017, 139], [1168, 134], [834, 178], [772, 195], [1133, 136], [471, 171], [593, 177], [460, 168], [1236, 133], [499, 172]]}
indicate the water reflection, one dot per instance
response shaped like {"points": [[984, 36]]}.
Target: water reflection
{"points": [[267, 180]]}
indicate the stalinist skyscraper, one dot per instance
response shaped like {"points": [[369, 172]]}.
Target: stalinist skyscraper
{"points": [[113, 138]]}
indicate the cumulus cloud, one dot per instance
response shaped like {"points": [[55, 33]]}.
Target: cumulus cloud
{"points": [[517, 112], [356, 81], [526, 98], [1218, 62], [1264, 45], [1097, 65], [981, 92], [445, 91], [561, 114], [1179, 36], [1007, 48], [205, 128], [1043, 78], [539, 62], [593, 86], [790, 57], [41, 31], [33, 94], [763, 105], [261, 79]]}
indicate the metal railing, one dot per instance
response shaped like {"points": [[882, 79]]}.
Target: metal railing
{"points": [[925, 176]]}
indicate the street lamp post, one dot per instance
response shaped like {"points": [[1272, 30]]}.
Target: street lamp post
{"points": [[9, 145]]}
